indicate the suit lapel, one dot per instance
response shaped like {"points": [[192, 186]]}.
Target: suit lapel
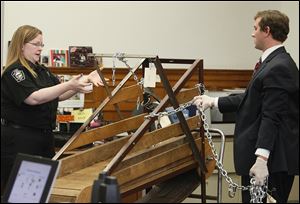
{"points": [[268, 59], [263, 65]]}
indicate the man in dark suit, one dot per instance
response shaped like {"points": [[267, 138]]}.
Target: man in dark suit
{"points": [[266, 138]]}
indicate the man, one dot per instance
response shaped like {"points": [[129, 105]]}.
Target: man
{"points": [[266, 141]]}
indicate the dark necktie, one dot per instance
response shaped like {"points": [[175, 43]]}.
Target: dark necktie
{"points": [[257, 66]]}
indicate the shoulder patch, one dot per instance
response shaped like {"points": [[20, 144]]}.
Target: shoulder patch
{"points": [[18, 75]]}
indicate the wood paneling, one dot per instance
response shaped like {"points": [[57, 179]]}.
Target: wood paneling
{"points": [[214, 79]]}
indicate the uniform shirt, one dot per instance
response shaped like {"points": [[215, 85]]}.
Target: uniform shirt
{"points": [[17, 83]]}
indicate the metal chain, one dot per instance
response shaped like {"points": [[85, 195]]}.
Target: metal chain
{"points": [[113, 77], [257, 193], [165, 113], [121, 57], [232, 185]]}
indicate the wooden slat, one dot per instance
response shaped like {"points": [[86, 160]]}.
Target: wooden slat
{"points": [[159, 175], [61, 195], [153, 163], [163, 134], [164, 192], [107, 131], [126, 93], [61, 198], [89, 157], [151, 151], [187, 95]]}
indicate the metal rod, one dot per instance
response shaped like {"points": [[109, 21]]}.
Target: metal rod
{"points": [[221, 156], [152, 57], [120, 55], [203, 183]]}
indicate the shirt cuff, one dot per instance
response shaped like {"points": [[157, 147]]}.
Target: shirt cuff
{"points": [[216, 102], [262, 152]]}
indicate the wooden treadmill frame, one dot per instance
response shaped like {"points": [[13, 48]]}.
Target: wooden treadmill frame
{"points": [[171, 92]]}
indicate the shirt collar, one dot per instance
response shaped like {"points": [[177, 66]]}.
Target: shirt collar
{"points": [[35, 66], [268, 51]]}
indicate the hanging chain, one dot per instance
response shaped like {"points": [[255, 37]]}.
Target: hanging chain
{"points": [[232, 185], [121, 57], [257, 193], [113, 77]]}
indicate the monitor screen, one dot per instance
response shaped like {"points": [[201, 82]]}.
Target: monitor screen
{"points": [[31, 179]]}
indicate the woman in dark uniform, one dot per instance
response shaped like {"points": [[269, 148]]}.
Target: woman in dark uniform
{"points": [[29, 99]]}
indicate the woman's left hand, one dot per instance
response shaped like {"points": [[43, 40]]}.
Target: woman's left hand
{"points": [[95, 78]]}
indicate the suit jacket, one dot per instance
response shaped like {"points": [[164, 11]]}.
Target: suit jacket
{"points": [[268, 116]]}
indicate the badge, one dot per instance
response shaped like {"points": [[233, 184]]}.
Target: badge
{"points": [[18, 75]]}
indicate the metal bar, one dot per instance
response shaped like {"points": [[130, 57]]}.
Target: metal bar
{"points": [[163, 60], [183, 123], [203, 184], [122, 54], [201, 131], [145, 64], [100, 108], [176, 61], [146, 124], [221, 156]]}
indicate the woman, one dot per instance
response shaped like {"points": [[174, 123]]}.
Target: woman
{"points": [[29, 99]]}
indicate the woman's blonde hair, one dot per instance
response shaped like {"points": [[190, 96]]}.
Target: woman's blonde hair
{"points": [[22, 35]]}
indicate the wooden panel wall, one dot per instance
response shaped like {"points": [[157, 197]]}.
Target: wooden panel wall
{"points": [[213, 79]]}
